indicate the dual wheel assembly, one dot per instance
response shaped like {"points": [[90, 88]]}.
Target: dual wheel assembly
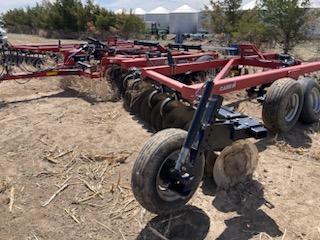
{"points": [[288, 101]]}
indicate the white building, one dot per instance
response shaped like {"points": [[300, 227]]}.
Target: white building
{"points": [[184, 19], [140, 13], [160, 16]]}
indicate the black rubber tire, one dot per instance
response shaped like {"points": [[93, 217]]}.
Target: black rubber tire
{"points": [[146, 178], [282, 105], [311, 105]]}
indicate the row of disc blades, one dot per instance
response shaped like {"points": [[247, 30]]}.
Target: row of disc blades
{"points": [[157, 108]]}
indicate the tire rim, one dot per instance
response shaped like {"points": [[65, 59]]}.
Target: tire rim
{"points": [[314, 98], [292, 107], [162, 177]]}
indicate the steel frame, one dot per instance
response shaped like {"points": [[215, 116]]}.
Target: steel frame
{"points": [[124, 53], [157, 69], [249, 56]]}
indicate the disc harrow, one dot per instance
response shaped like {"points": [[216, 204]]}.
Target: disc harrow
{"points": [[183, 95], [156, 107], [179, 94], [17, 61], [163, 90]]}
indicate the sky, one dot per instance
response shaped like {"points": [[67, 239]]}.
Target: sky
{"points": [[114, 5]]}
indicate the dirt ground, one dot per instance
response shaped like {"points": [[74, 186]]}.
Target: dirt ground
{"points": [[65, 166]]}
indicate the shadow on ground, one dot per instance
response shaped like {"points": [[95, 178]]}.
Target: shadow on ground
{"points": [[246, 200], [299, 137], [67, 93], [188, 223]]}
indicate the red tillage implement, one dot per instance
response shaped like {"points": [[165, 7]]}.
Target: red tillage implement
{"points": [[180, 91]]}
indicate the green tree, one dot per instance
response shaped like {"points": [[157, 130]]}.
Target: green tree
{"points": [[71, 16], [223, 15], [132, 26], [36, 17], [64, 14], [87, 15], [105, 20], [15, 17], [287, 19], [250, 28], [41, 14]]}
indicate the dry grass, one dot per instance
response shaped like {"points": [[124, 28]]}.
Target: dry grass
{"points": [[98, 184], [25, 39], [99, 89]]}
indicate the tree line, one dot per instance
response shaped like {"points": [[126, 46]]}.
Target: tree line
{"points": [[281, 21], [71, 16]]}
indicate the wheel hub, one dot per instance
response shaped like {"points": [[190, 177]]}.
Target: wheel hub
{"points": [[172, 184], [314, 99], [292, 107]]}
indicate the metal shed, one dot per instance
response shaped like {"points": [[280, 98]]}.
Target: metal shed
{"points": [[184, 19], [160, 16]]}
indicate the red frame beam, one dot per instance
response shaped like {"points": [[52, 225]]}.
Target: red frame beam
{"points": [[226, 85]]}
